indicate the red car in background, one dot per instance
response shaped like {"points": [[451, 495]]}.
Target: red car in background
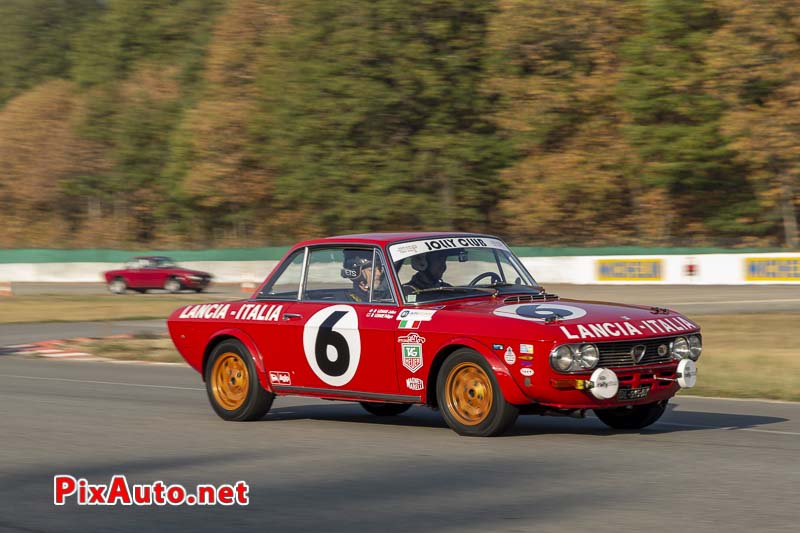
{"points": [[452, 321], [155, 272]]}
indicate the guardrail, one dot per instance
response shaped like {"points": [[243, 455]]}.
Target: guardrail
{"points": [[547, 266]]}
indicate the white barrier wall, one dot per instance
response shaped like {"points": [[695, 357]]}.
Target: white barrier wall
{"points": [[705, 269]]}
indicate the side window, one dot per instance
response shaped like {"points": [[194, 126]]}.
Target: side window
{"points": [[286, 283], [345, 275], [328, 276]]}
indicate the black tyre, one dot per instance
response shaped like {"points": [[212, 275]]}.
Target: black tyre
{"points": [[172, 285], [632, 416], [470, 398], [118, 286], [385, 409], [232, 384]]}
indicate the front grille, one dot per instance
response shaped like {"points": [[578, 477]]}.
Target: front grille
{"points": [[618, 354]]}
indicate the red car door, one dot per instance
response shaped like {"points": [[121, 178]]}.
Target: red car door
{"points": [[337, 341]]}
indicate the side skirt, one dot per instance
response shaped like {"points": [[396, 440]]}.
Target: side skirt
{"points": [[345, 394]]}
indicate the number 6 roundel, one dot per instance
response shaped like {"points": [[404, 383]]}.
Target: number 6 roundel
{"points": [[332, 344]]}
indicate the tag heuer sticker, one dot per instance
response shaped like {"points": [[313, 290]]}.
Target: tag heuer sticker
{"points": [[526, 348], [414, 384], [413, 318], [411, 345], [510, 356]]}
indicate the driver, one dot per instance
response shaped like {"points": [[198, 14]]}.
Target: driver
{"points": [[430, 267], [357, 267]]}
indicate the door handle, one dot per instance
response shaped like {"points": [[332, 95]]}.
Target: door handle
{"points": [[291, 316]]}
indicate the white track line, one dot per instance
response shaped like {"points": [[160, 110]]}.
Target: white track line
{"points": [[101, 382], [728, 428], [735, 302]]}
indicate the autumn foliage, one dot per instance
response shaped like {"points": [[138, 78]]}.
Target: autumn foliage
{"points": [[211, 123]]}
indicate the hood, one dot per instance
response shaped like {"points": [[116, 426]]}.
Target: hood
{"points": [[577, 320]]}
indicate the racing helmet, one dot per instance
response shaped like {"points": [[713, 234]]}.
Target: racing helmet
{"points": [[421, 262], [354, 262]]}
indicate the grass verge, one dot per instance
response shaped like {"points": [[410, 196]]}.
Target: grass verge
{"points": [[76, 308]]}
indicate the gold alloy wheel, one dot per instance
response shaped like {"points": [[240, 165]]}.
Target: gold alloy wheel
{"points": [[469, 393], [230, 381]]}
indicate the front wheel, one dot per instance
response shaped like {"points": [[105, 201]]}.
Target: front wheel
{"points": [[470, 398], [385, 409], [632, 416], [232, 384]]}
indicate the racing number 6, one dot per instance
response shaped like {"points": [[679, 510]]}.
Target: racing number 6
{"points": [[332, 344], [327, 337]]}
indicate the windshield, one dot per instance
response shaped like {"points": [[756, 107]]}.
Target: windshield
{"points": [[447, 268]]}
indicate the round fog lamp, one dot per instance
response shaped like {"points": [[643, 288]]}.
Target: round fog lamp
{"points": [[695, 347], [588, 355], [687, 373], [605, 384], [562, 358], [680, 348]]}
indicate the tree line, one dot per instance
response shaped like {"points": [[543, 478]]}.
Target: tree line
{"points": [[208, 123]]}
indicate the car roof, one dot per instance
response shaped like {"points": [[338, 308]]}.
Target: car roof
{"points": [[388, 238]]}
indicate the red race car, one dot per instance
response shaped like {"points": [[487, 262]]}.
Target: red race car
{"points": [[155, 272], [453, 321]]}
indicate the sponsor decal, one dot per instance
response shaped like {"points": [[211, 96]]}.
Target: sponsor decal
{"points": [[676, 324], [413, 318], [332, 344], [526, 371], [525, 358], [279, 378], [497, 346], [407, 249], [526, 348], [630, 269], [540, 312], [525, 363], [206, 311], [411, 346], [772, 269], [250, 312], [381, 313], [414, 384], [510, 357]]}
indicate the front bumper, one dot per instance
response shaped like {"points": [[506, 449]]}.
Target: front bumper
{"points": [[574, 391]]}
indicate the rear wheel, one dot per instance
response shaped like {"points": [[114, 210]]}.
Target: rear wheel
{"points": [[232, 384], [172, 285], [118, 286], [385, 409], [470, 398], [632, 416]]}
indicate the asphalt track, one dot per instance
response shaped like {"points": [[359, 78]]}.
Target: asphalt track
{"points": [[708, 465]]}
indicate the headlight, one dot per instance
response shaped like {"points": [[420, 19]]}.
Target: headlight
{"points": [[196, 278], [680, 348], [588, 355], [562, 358], [695, 347]]}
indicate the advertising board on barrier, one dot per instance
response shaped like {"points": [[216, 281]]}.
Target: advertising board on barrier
{"points": [[772, 268], [630, 270]]}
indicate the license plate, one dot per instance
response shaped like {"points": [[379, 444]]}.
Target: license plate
{"points": [[633, 394]]}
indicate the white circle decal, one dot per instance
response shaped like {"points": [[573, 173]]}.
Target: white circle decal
{"points": [[332, 344], [540, 312]]}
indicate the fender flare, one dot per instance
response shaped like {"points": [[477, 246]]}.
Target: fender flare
{"points": [[255, 353], [511, 391]]}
